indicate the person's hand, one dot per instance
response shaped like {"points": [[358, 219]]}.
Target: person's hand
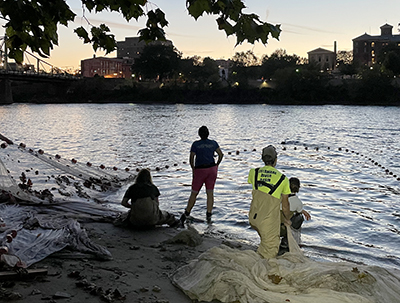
{"points": [[306, 214], [287, 222]]}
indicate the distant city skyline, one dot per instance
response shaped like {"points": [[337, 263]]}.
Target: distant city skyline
{"points": [[305, 26]]}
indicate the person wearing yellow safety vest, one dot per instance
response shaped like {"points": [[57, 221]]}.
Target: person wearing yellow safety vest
{"points": [[270, 189]]}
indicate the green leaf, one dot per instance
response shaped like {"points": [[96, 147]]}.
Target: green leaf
{"points": [[161, 18], [226, 26], [45, 46], [17, 55], [144, 35], [99, 7], [275, 30], [89, 4], [151, 34], [82, 33], [196, 8], [101, 39], [234, 9]]}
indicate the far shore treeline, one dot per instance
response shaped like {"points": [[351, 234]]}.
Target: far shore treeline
{"points": [[276, 79]]}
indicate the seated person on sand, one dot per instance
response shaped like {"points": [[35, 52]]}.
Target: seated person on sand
{"points": [[296, 216], [144, 206]]}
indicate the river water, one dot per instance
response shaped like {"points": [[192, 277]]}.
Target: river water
{"points": [[347, 158]]}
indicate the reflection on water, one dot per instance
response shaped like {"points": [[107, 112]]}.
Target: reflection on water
{"points": [[346, 158]]}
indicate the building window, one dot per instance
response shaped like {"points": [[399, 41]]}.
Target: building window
{"points": [[373, 53], [372, 44]]}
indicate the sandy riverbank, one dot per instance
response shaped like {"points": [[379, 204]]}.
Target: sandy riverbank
{"points": [[139, 271]]}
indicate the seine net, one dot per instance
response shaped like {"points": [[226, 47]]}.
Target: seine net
{"points": [[232, 275], [37, 177], [48, 194]]}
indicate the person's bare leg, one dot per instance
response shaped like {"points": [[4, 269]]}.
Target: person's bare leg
{"points": [[191, 201], [210, 200], [210, 204]]}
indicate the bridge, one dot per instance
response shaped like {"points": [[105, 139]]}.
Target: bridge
{"points": [[33, 69]]}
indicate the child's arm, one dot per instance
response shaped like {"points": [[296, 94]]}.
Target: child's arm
{"points": [[306, 214]]}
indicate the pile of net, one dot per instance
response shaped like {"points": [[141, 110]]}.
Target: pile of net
{"points": [[35, 236], [43, 196], [232, 275]]}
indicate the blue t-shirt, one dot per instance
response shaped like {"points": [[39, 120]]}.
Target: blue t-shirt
{"points": [[204, 150]]}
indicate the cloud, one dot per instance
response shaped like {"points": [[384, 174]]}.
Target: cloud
{"points": [[197, 52], [180, 35], [111, 24], [293, 29]]}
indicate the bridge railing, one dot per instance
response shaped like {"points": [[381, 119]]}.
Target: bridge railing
{"points": [[32, 65]]}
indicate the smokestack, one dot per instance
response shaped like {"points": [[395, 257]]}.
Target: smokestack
{"points": [[335, 51]]}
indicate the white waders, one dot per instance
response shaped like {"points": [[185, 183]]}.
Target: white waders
{"points": [[264, 217]]}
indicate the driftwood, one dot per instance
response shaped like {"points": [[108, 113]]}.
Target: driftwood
{"points": [[26, 273]]}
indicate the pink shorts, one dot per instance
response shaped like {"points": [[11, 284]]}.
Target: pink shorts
{"points": [[206, 176]]}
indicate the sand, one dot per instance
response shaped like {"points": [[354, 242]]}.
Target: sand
{"points": [[139, 271]]}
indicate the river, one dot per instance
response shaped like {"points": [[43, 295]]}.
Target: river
{"points": [[347, 158]]}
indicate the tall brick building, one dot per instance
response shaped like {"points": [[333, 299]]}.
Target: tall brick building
{"points": [[132, 48], [366, 47], [120, 67], [106, 67]]}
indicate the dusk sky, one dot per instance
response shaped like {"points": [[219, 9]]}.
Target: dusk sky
{"points": [[306, 25]]}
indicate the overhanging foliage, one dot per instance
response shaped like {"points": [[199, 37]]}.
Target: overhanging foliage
{"points": [[34, 23]]}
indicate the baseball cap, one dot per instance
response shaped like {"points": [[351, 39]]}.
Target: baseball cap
{"points": [[269, 152]]}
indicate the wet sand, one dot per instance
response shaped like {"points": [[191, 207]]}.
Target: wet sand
{"points": [[139, 271]]}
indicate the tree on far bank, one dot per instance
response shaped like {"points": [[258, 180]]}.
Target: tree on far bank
{"points": [[245, 59], [157, 62], [374, 87], [303, 83], [344, 57], [345, 63], [244, 67], [389, 58], [206, 73], [34, 24], [392, 62], [279, 59]]}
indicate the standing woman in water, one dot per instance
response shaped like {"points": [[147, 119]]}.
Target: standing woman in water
{"points": [[204, 171]]}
